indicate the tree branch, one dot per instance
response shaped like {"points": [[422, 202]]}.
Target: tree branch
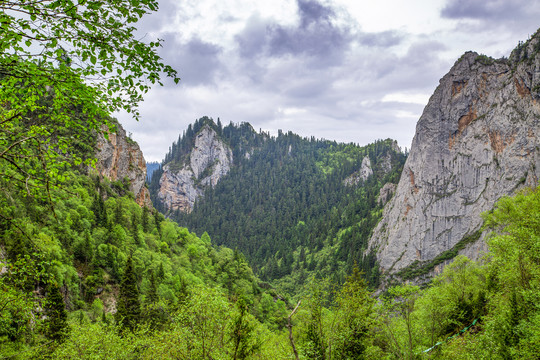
{"points": [[289, 325]]}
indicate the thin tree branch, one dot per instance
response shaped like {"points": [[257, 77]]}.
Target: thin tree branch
{"points": [[289, 325]]}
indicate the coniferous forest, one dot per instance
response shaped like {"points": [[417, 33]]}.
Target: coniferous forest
{"points": [[88, 273], [287, 207]]}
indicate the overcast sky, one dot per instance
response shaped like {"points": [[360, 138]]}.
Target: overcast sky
{"points": [[344, 70]]}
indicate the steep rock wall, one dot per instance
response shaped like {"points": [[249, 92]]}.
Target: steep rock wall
{"points": [[476, 141], [119, 157], [209, 160]]}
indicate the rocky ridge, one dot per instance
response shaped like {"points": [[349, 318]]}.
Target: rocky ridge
{"points": [[209, 160], [119, 157], [476, 141]]}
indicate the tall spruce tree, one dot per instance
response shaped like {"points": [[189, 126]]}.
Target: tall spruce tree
{"points": [[55, 310], [128, 306]]}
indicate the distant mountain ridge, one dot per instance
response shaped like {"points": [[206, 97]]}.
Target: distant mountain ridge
{"points": [[288, 203], [150, 168], [203, 154]]}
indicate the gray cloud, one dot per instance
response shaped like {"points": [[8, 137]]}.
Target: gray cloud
{"points": [[315, 36], [154, 22], [486, 9], [381, 39], [196, 61], [252, 40], [322, 76]]}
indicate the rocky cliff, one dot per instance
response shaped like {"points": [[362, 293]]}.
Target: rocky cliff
{"points": [[119, 157], [476, 141], [362, 174], [209, 160]]}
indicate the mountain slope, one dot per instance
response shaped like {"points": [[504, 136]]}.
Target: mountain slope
{"points": [[294, 206], [198, 160], [477, 140]]}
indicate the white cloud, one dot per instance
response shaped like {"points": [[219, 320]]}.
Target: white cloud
{"points": [[367, 76]]}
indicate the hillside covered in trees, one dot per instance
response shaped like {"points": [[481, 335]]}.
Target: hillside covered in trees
{"points": [[289, 203], [87, 273]]}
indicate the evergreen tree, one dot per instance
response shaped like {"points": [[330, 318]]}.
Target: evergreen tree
{"points": [[161, 272], [99, 210], [152, 292], [128, 307], [56, 314], [144, 220]]}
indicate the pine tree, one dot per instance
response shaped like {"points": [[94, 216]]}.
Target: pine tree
{"points": [[152, 292], [161, 272], [99, 210], [144, 220], [56, 314], [128, 307]]}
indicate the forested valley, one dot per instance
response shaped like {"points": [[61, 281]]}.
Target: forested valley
{"points": [[87, 272], [288, 206]]}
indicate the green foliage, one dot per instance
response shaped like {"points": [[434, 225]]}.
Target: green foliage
{"points": [[91, 41], [64, 66], [243, 337], [286, 195], [188, 295], [485, 60], [128, 310], [417, 268], [355, 310], [91, 258], [55, 311]]}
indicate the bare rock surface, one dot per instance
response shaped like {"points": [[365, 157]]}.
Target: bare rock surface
{"points": [[476, 141], [209, 160], [119, 157], [362, 174]]}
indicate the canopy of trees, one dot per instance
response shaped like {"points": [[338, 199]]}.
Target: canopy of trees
{"points": [[64, 66], [286, 207]]}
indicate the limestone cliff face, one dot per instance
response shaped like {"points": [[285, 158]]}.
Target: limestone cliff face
{"points": [[363, 173], [120, 157], [209, 160], [476, 141]]}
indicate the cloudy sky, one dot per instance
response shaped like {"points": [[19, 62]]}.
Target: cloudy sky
{"points": [[345, 70]]}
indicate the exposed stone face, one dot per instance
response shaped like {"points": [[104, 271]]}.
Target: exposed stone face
{"points": [[361, 175], [209, 160], [386, 193], [119, 158], [476, 141]]}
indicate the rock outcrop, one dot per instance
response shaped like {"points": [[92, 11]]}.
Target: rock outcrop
{"points": [[361, 175], [476, 141], [209, 160], [386, 193], [119, 157]]}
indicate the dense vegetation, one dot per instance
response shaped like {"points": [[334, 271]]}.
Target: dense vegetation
{"points": [[92, 246], [86, 273], [285, 204], [177, 296]]}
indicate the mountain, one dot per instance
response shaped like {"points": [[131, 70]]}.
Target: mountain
{"points": [[73, 250], [476, 141], [294, 206], [150, 168], [119, 158]]}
